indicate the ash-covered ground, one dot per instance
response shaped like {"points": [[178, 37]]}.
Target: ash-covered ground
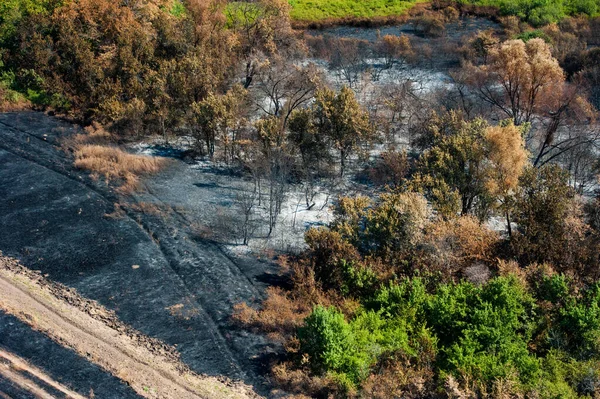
{"points": [[146, 261]]}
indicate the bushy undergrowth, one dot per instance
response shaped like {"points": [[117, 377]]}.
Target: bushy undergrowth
{"points": [[476, 334]]}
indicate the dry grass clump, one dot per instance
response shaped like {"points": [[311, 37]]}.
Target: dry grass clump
{"points": [[115, 164], [300, 382], [94, 134], [149, 208], [97, 152]]}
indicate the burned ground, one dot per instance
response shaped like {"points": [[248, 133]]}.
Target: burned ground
{"points": [[148, 267]]}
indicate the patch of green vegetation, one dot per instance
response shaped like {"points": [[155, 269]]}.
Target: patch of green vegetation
{"points": [[318, 10], [541, 12], [482, 332], [536, 12], [237, 12], [534, 34], [178, 9], [12, 11]]}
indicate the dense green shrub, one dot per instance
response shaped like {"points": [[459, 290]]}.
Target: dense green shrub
{"points": [[347, 350], [533, 34], [483, 334], [579, 324]]}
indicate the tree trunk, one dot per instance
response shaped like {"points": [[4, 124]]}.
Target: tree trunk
{"points": [[508, 224], [164, 130]]}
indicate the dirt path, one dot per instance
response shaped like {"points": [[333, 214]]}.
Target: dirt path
{"points": [[151, 372]]}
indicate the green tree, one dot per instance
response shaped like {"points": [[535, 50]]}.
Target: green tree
{"points": [[544, 210], [341, 118], [451, 171]]}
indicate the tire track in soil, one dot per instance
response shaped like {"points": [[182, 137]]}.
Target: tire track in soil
{"points": [[13, 369], [67, 170]]}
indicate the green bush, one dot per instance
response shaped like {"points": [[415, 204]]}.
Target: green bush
{"points": [[482, 334], [334, 346], [347, 350], [533, 34], [541, 12], [579, 323], [404, 300], [316, 10], [358, 281], [588, 7], [554, 288]]}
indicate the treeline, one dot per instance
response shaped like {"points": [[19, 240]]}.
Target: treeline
{"points": [[537, 13], [136, 65]]}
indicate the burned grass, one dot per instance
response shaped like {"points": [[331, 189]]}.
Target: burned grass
{"points": [[149, 366]]}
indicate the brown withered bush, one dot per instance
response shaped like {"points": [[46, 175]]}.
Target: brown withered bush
{"points": [[279, 316], [399, 377], [430, 24], [456, 244], [300, 382], [390, 169], [326, 250]]}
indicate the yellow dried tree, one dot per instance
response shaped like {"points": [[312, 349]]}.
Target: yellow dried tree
{"points": [[506, 159]]}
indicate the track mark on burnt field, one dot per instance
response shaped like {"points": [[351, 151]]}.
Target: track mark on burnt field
{"points": [[30, 379], [194, 267], [147, 366]]}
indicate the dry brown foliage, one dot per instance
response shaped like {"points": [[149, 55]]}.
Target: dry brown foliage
{"points": [[507, 156], [299, 381], [391, 168], [93, 134], [453, 245], [526, 73], [148, 208], [279, 315], [96, 151], [512, 25], [398, 379], [430, 24]]}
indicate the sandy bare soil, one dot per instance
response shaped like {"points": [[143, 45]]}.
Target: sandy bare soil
{"points": [[151, 368]]}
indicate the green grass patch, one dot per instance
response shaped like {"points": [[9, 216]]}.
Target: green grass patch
{"points": [[536, 12], [318, 10], [541, 12]]}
